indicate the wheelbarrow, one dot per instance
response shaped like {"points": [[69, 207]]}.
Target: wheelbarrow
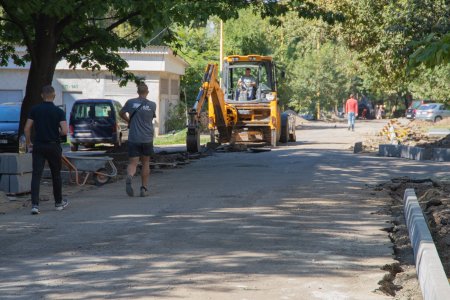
{"points": [[81, 168]]}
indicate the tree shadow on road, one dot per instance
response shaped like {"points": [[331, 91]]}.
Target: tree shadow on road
{"points": [[275, 222]]}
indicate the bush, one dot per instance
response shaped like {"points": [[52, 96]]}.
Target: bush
{"points": [[176, 117]]}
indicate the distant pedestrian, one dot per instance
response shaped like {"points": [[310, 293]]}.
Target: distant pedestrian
{"points": [[378, 112], [139, 113], [382, 112], [351, 108], [50, 124]]}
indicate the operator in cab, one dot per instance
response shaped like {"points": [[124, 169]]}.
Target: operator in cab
{"points": [[247, 86]]}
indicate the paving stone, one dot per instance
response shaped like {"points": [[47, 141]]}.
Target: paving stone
{"points": [[389, 150], [15, 163]]}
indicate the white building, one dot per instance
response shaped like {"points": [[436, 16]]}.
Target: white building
{"points": [[157, 65]]}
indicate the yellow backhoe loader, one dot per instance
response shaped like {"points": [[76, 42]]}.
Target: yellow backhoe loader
{"points": [[245, 109]]}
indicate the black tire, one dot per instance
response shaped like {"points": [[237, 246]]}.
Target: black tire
{"points": [[118, 144], [292, 137], [101, 179], [74, 147], [284, 136], [437, 119]]}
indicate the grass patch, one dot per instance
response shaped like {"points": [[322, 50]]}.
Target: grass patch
{"points": [[178, 138]]}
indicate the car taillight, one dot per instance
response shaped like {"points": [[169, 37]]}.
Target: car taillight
{"points": [[71, 129], [414, 111], [114, 128]]}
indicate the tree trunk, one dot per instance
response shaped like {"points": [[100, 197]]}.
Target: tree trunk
{"points": [[42, 67]]}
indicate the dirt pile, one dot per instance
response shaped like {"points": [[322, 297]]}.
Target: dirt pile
{"points": [[414, 133]]}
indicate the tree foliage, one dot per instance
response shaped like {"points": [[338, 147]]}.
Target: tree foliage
{"points": [[431, 52], [324, 60], [89, 32]]}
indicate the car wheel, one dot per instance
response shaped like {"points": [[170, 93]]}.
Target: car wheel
{"points": [[74, 147], [437, 119], [292, 137], [118, 144]]}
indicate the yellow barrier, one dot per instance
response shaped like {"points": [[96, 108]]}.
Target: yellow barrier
{"points": [[394, 130]]}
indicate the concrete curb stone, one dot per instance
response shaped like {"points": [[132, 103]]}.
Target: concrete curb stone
{"points": [[441, 154], [414, 153], [430, 272]]}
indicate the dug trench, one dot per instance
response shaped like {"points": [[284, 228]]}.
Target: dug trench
{"points": [[433, 196]]}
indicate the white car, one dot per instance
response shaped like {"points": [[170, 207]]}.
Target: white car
{"points": [[432, 112]]}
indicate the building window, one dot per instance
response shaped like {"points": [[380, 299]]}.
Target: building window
{"points": [[164, 88], [174, 87]]}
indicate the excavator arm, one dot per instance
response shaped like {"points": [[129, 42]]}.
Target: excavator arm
{"points": [[210, 89]]}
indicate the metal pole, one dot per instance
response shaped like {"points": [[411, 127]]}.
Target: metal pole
{"points": [[221, 51]]}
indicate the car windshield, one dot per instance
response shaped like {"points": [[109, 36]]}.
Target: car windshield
{"points": [[427, 106], [9, 114], [416, 104], [91, 110]]}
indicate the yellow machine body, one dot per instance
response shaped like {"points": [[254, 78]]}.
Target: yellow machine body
{"points": [[238, 113]]}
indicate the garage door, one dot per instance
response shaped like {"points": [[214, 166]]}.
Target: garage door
{"points": [[11, 96]]}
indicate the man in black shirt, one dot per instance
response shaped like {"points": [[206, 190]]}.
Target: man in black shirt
{"points": [[50, 123]]}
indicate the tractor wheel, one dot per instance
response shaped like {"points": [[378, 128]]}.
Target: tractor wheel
{"points": [[74, 147], [118, 144], [292, 137], [284, 136]]}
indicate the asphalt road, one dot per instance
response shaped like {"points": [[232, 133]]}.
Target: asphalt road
{"points": [[293, 223]]}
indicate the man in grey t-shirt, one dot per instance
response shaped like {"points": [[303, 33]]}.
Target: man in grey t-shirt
{"points": [[139, 113]]}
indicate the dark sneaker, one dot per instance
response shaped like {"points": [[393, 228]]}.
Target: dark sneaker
{"points": [[129, 187], [62, 205], [144, 191], [35, 210]]}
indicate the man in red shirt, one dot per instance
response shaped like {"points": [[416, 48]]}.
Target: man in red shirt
{"points": [[351, 108]]}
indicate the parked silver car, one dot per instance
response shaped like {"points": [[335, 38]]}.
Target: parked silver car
{"points": [[432, 112]]}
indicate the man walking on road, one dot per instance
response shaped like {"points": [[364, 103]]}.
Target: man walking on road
{"points": [[50, 124], [351, 108], [139, 113]]}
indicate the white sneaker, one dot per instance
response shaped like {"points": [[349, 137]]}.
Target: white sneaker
{"points": [[62, 205], [35, 210]]}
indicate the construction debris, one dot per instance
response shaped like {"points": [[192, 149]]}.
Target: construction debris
{"points": [[413, 133]]}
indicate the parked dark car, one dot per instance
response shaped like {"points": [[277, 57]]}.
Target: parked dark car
{"points": [[365, 110], [412, 109], [9, 127], [95, 121]]}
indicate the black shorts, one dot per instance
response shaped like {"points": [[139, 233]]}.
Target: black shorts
{"points": [[140, 149]]}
